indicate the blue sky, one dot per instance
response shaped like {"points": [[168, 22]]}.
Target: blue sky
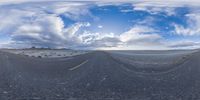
{"points": [[132, 25]]}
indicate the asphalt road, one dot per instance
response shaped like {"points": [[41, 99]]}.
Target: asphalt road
{"points": [[98, 75]]}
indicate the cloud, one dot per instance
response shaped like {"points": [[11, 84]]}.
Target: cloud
{"points": [[160, 3], [155, 10], [140, 35], [39, 23], [40, 33], [184, 44], [169, 3], [12, 18], [51, 34], [100, 26], [8, 2], [31, 28], [137, 37], [159, 6], [153, 3], [5, 43], [27, 13], [72, 30], [73, 10], [99, 40], [193, 27]]}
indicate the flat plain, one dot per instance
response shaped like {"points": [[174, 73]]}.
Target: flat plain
{"points": [[100, 75]]}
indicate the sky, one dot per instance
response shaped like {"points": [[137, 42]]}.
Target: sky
{"points": [[100, 24]]}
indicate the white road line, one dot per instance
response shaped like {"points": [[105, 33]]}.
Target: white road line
{"points": [[78, 65]]}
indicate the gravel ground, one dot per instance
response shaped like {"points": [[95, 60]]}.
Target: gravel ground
{"points": [[97, 75]]}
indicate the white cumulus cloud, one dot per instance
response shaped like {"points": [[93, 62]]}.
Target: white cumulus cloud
{"points": [[193, 27]]}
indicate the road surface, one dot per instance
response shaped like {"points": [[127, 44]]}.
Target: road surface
{"points": [[99, 75]]}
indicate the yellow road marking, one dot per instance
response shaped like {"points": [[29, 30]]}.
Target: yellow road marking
{"points": [[73, 68]]}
